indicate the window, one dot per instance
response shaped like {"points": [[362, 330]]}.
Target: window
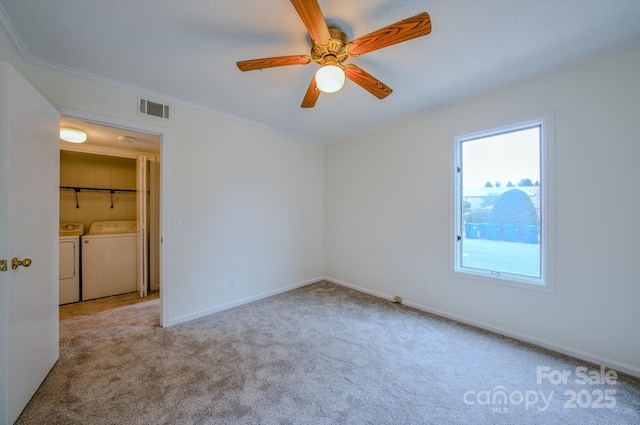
{"points": [[503, 224]]}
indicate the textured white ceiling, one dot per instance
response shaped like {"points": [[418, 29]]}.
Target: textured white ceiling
{"points": [[187, 50]]}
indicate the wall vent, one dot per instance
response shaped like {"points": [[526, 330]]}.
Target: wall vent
{"points": [[155, 109]]}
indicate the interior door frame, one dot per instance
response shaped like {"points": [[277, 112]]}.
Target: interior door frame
{"points": [[164, 170], [141, 218]]}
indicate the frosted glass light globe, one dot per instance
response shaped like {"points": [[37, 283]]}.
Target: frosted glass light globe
{"points": [[330, 78]]}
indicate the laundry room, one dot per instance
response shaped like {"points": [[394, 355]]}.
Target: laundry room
{"points": [[109, 213]]}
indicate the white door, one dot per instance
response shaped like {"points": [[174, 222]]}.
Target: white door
{"points": [[29, 210], [141, 202]]}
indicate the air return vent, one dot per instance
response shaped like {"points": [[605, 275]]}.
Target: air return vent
{"points": [[148, 107]]}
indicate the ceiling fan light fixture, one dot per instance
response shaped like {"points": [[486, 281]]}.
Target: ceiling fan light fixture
{"points": [[73, 135], [329, 78], [330, 47]]}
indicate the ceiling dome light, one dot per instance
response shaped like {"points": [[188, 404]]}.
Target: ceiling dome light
{"points": [[126, 139], [330, 78], [73, 135]]}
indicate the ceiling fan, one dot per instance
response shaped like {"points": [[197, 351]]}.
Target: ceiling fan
{"points": [[330, 47]]}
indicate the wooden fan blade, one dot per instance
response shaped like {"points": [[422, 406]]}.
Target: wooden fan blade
{"points": [[252, 65], [313, 92], [405, 30], [367, 81], [311, 16]]}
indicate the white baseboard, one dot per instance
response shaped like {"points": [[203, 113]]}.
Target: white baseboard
{"points": [[237, 303], [563, 349]]}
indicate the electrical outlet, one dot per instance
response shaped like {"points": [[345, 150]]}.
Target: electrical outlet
{"points": [[427, 286], [397, 299], [232, 281]]}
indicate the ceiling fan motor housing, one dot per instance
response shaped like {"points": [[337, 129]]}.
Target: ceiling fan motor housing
{"points": [[333, 53]]}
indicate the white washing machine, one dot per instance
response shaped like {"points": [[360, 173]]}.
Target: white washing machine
{"points": [[109, 259], [69, 250]]}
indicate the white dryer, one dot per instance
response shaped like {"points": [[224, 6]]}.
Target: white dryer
{"points": [[109, 259], [69, 265]]}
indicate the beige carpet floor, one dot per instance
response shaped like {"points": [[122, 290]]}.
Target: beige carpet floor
{"points": [[320, 354]]}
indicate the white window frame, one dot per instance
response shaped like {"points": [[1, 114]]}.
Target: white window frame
{"points": [[546, 283]]}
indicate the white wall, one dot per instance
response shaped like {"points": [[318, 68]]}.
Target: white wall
{"points": [[250, 199], [8, 52], [251, 206], [387, 212]]}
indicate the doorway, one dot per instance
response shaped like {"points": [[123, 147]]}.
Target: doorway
{"points": [[111, 154]]}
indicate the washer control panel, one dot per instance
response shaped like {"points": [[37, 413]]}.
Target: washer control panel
{"points": [[111, 227]]}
